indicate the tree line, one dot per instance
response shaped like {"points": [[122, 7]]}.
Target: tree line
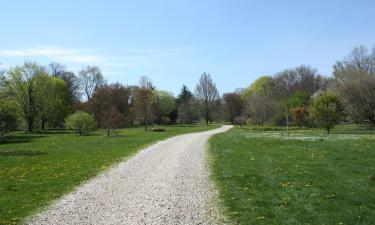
{"points": [[39, 97], [301, 96]]}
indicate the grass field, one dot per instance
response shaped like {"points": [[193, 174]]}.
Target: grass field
{"points": [[37, 168], [266, 177]]}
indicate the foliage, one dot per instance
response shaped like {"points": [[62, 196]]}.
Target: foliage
{"points": [[53, 101], [71, 81], [26, 88], [187, 106], [259, 87], [327, 110], [111, 120], [8, 117], [300, 115], [233, 106], [108, 97], [162, 104], [80, 123]]}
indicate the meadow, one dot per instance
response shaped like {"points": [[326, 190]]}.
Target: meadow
{"points": [[36, 168], [265, 176]]}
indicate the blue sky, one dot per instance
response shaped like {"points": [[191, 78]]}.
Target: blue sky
{"points": [[173, 42]]}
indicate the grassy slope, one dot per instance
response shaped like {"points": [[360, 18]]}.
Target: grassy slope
{"points": [[264, 178], [36, 168]]}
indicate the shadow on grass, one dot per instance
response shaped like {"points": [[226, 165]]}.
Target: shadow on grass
{"points": [[53, 131], [26, 153], [19, 139]]}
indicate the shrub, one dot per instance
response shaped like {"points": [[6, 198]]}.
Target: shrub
{"points": [[80, 123], [327, 109]]}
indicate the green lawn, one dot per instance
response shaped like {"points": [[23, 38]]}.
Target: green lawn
{"points": [[37, 168], [266, 177]]}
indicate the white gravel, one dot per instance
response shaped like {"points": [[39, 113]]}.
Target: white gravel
{"points": [[166, 183]]}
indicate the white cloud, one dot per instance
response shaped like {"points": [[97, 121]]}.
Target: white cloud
{"points": [[81, 57]]}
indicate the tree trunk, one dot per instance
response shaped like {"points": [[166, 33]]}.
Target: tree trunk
{"points": [[206, 106], [287, 122], [43, 122], [30, 125]]}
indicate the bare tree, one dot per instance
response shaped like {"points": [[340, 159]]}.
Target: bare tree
{"points": [[146, 83], [260, 108], [355, 80], [91, 78], [56, 69], [207, 95], [3, 93], [303, 78], [143, 98]]}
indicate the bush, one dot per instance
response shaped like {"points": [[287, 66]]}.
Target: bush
{"points": [[80, 123]]}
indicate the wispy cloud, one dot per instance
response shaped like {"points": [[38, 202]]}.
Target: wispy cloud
{"points": [[90, 56]]}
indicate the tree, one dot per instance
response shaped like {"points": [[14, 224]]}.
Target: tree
{"points": [[24, 83], [56, 69], [187, 109], [72, 86], [207, 96], [233, 106], [91, 79], [142, 101], [162, 104], [111, 120], [259, 87], [327, 109], [8, 117], [260, 108], [146, 83], [80, 123], [52, 101], [300, 115], [240, 120], [110, 96], [303, 78], [355, 80], [70, 79], [3, 82], [58, 107]]}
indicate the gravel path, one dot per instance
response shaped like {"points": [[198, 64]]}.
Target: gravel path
{"points": [[166, 183]]}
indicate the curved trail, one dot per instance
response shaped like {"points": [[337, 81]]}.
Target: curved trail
{"points": [[166, 183]]}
